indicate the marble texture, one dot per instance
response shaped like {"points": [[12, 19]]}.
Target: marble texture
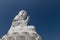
{"points": [[20, 30]]}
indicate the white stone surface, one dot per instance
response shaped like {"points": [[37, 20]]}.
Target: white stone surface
{"points": [[0, 39], [20, 30]]}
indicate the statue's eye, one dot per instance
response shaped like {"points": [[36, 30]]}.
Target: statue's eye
{"points": [[23, 12]]}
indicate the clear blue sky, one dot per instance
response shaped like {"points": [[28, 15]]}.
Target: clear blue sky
{"points": [[45, 16]]}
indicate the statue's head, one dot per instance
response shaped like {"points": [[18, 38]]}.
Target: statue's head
{"points": [[22, 13]]}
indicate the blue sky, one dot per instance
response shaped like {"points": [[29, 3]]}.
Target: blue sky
{"points": [[44, 14]]}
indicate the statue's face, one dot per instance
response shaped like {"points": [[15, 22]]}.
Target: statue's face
{"points": [[22, 13]]}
